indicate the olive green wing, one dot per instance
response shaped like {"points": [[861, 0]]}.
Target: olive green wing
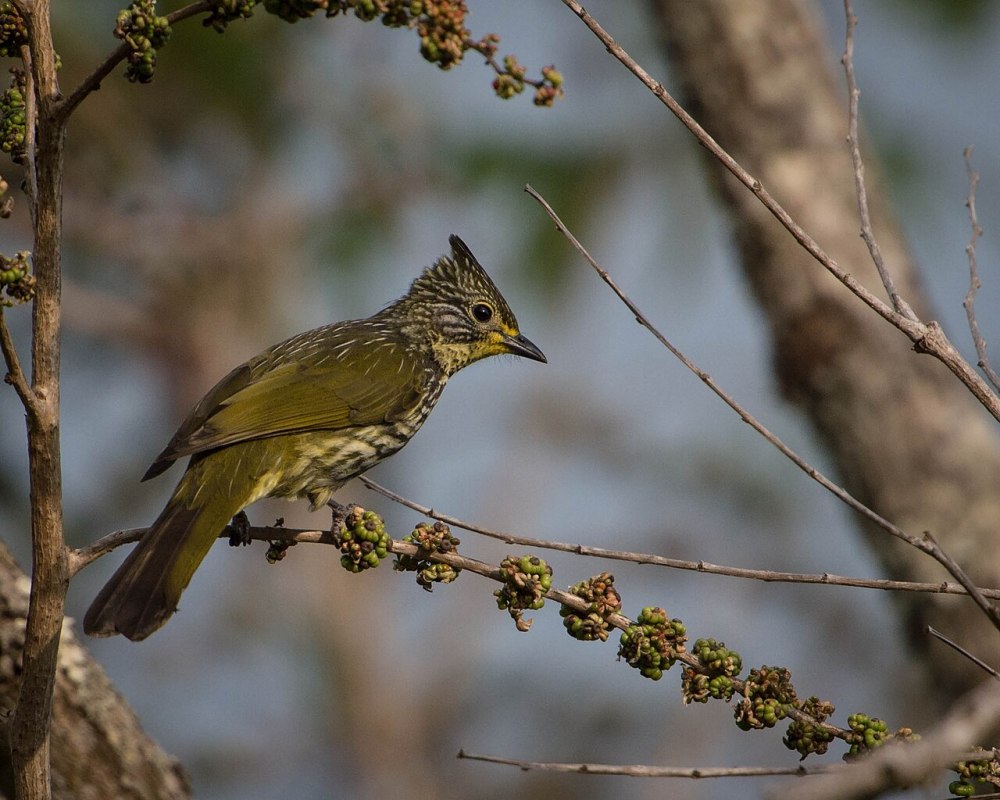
{"points": [[336, 389]]}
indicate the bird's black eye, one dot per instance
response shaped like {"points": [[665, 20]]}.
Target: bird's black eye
{"points": [[482, 312]]}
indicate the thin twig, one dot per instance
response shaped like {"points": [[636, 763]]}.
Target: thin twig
{"points": [[93, 81], [926, 337], [768, 576], [962, 651], [647, 771], [926, 543], [854, 146], [15, 373], [974, 283]]}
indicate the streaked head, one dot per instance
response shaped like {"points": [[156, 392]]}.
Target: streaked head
{"points": [[458, 307]]}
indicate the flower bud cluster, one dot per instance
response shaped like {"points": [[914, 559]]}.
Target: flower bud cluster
{"points": [[603, 599], [13, 117], [13, 31], [767, 695], [810, 737], [145, 33], [363, 540], [225, 11], [17, 284], [294, 10], [429, 538], [525, 580], [971, 773], [653, 642]]}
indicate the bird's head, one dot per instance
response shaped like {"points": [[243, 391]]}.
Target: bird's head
{"points": [[458, 310]]}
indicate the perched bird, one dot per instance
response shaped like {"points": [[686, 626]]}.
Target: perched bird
{"points": [[303, 418]]}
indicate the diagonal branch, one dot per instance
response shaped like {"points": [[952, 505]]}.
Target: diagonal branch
{"points": [[646, 771], [925, 543], [926, 337], [768, 576], [932, 631], [15, 373]]}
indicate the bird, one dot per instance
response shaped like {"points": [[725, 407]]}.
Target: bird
{"points": [[301, 419]]}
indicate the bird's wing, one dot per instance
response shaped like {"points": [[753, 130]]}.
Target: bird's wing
{"points": [[328, 391]]}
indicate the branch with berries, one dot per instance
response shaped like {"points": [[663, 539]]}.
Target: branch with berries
{"points": [[439, 25], [652, 643]]}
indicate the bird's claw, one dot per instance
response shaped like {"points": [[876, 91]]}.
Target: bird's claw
{"points": [[239, 530]]}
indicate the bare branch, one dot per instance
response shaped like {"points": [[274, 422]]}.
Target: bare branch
{"points": [[15, 373], [974, 284], [926, 337], [854, 145], [646, 771], [926, 543], [768, 576], [962, 651]]}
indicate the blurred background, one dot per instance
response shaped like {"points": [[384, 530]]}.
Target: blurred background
{"points": [[280, 177]]}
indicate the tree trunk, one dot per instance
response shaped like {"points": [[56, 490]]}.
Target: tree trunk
{"points": [[907, 439], [98, 749]]}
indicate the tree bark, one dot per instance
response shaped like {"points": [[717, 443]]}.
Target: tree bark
{"points": [[907, 439], [98, 748]]}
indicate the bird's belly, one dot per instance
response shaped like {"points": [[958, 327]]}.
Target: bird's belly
{"points": [[323, 461]]}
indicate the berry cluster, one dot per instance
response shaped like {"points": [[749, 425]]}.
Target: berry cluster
{"points": [[13, 31], [868, 733], [17, 284], [511, 80], [294, 10], [602, 598], [718, 666], [439, 24], [810, 736], [225, 11], [429, 538], [145, 33], [970, 773], [653, 642], [13, 117], [363, 540], [525, 582], [766, 697], [442, 31]]}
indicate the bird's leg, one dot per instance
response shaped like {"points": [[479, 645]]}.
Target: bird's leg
{"points": [[239, 530]]}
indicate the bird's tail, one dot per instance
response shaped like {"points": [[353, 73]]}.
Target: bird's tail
{"points": [[144, 591]]}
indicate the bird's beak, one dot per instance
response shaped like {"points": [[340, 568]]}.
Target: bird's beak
{"points": [[522, 346]]}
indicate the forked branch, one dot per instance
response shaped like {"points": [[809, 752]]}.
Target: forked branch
{"points": [[927, 337], [924, 543]]}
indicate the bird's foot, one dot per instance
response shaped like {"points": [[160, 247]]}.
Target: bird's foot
{"points": [[340, 514], [239, 530]]}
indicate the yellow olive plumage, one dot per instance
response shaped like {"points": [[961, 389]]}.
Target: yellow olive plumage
{"points": [[303, 418]]}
